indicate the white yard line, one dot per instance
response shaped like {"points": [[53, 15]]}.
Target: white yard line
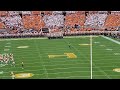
{"points": [[96, 66], [40, 58], [91, 55], [83, 56], [111, 39]]}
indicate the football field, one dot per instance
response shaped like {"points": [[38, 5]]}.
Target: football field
{"points": [[55, 59]]}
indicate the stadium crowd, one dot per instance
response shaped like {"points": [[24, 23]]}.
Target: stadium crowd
{"points": [[31, 23]]}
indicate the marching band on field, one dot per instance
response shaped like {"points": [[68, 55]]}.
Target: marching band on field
{"points": [[7, 59]]}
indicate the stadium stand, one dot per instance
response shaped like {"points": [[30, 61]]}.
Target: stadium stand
{"points": [[95, 20], [32, 23], [54, 20], [112, 21]]}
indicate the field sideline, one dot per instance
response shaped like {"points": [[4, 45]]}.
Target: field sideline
{"points": [[65, 62]]}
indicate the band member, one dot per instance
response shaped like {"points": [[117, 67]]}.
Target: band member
{"points": [[22, 65], [69, 45], [13, 75], [13, 63]]}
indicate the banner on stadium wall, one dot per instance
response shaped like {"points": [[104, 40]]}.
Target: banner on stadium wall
{"points": [[45, 30]]}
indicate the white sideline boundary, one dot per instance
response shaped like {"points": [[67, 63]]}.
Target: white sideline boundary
{"points": [[111, 39]]}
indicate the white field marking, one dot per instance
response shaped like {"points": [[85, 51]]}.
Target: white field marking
{"points": [[116, 53], [97, 67], [111, 39], [102, 45], [40, 58], [21, 39], [96, 42], [91, 56], [6, 49], [85, 44], [22, 46], [7, 46], [84, 56], [109, 49]]}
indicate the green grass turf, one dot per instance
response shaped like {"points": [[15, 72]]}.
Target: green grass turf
{"points": [[105, 60], [36, 59]]}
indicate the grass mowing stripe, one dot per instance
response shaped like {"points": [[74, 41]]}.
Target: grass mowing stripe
{"points": [[97, 67], [104, 57], [106, 60], [51, 64], [40, 58], [102, 71], [73, 47], [73, 77]]}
